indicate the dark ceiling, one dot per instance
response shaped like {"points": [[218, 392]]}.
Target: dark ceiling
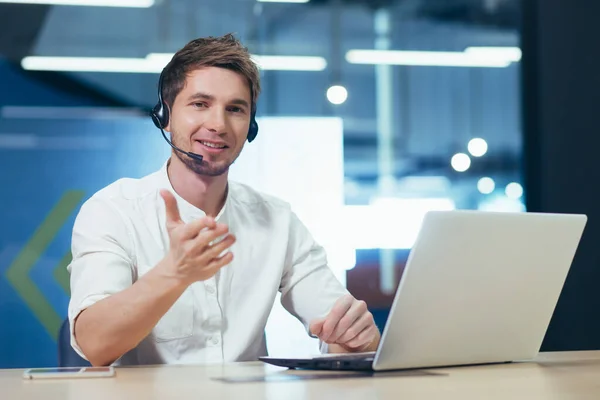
{"points": [[301, 28], [20, 26]]}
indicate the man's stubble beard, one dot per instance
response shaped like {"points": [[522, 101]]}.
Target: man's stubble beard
{"points": [[202, 167]]}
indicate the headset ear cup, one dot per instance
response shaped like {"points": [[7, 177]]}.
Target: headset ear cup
{"points": [[155, 115], [160, 115], [164, 117], [253, 131], [160, 112]]}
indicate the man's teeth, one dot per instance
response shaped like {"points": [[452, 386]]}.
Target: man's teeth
{"points": [[214, 146]]}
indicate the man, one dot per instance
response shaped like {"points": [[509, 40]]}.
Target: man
{"points": [[183, 266]]}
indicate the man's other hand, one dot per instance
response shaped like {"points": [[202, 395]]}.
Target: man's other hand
{"points": [[349, 327]]}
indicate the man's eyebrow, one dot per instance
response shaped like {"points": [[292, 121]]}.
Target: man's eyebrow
{"points": [[240, 102], [200, 95], [210, 97]]}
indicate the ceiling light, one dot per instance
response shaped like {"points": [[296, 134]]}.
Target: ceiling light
{"points": [[486, 185], [512, 54], [425, 58], [93, 3], [477, 147], [162, 58], [460, 162], [283, 1], [290, 63], [474, 56], [514, 190], [155, 62], [91, 64], [337, 94]]}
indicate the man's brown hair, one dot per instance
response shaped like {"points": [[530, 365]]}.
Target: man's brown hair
{"points": [[223, 52]]}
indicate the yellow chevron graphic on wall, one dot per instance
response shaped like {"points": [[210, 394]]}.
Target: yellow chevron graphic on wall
{"points": [[18, 272]]}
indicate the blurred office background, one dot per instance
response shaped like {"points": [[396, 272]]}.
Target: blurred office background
{"points": [[376, 111]]}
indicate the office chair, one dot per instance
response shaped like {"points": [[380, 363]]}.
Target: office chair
{"points": [[67, 357]]}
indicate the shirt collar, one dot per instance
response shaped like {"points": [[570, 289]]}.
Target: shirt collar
{"points": [[188, 211]]}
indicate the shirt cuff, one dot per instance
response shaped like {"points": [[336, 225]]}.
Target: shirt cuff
{"points": [[324, 347]]}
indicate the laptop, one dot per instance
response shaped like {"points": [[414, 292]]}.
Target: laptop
{"points": [[478, 288]]}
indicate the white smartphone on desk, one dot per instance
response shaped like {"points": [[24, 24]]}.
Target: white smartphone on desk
{"points": [[69, 372]]}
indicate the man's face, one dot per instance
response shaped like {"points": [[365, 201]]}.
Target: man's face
{"points": [[210, 117]]}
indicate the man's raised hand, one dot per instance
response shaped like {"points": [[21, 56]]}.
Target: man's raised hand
{"points": [[192, 254]]}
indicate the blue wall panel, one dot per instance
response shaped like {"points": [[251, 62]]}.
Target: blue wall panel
{"points": [[59, 156]]}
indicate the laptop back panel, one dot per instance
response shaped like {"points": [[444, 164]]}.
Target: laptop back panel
{"points": [[479, 287]]}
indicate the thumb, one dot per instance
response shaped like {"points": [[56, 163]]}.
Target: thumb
{"points": [[316, 326], [171, 209]]}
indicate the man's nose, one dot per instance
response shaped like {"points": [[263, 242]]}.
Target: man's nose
{"points": [[215, 121]]}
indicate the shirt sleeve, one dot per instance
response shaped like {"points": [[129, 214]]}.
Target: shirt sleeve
{"points": [[309, 289], [102, 261]]}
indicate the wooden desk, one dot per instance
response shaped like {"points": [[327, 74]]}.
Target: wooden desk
{"points": [[572, 375]]}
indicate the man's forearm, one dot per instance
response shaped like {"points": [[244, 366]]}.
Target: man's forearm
{"points": [[113, 326]]}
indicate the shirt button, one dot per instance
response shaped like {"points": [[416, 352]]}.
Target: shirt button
{"points": [[210, 289], [215, 340]]}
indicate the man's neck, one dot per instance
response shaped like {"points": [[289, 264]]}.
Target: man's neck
{"points": [[207, 193]]}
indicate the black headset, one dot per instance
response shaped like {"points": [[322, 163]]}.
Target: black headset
{"points": [[160, 117]]}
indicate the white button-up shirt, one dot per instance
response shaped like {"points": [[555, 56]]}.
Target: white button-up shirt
{"points": [[120, 234]]}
